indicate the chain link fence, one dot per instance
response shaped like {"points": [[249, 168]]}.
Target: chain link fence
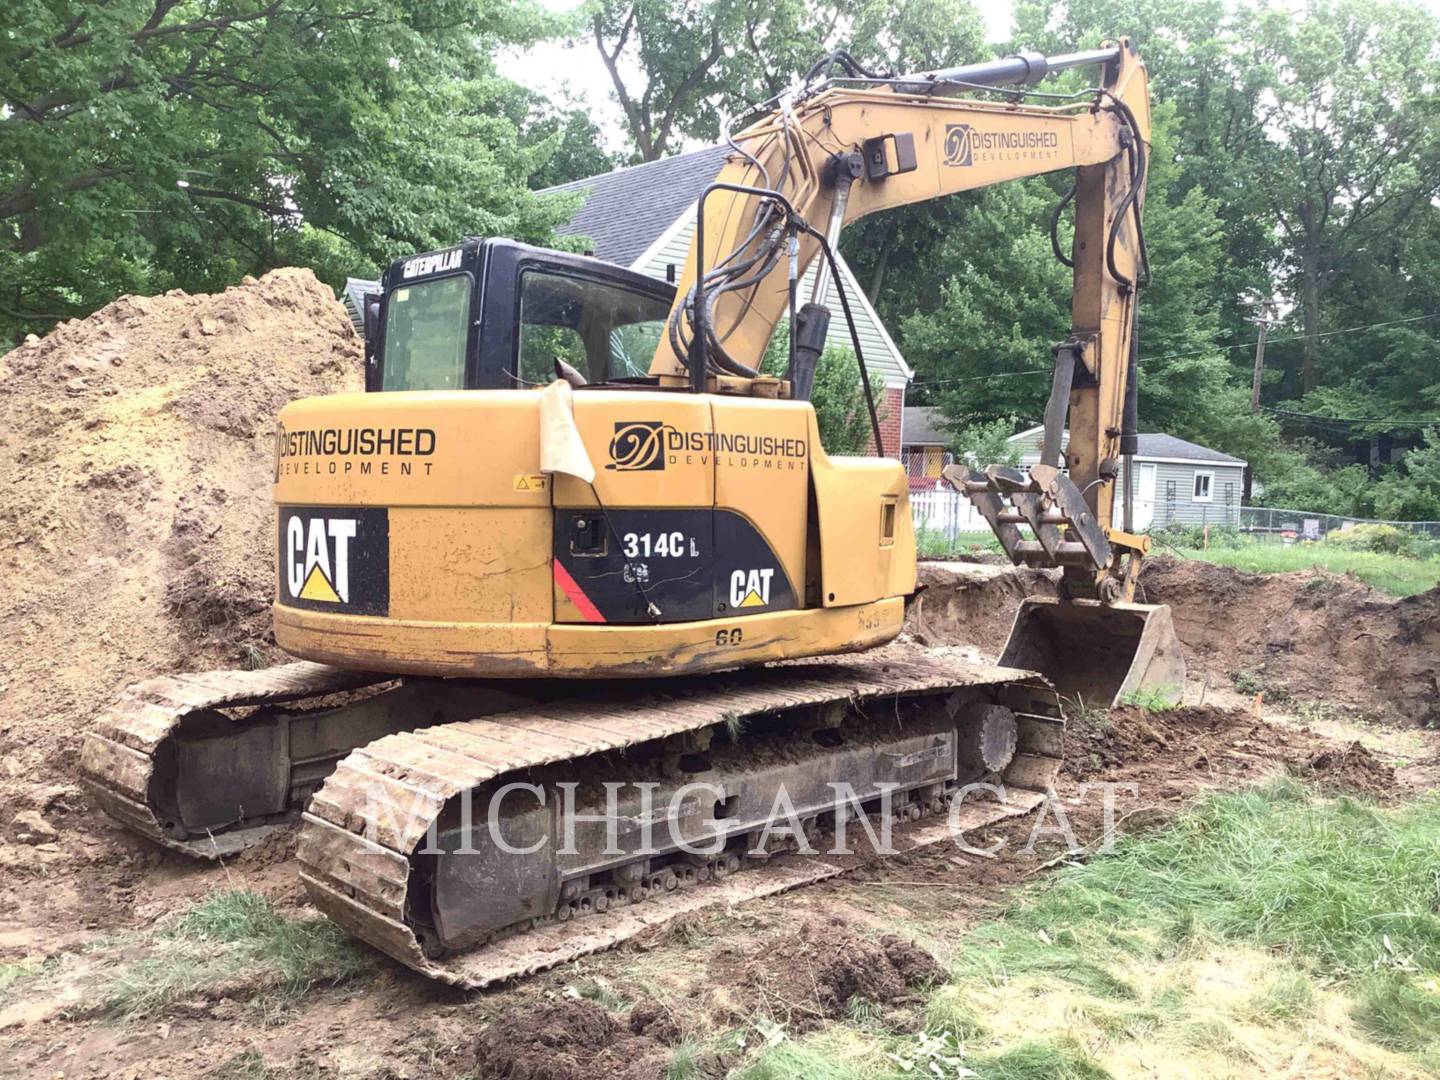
{"points": [[1284, 526], [941, 513]]}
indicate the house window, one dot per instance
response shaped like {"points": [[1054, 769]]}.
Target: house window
{"points": [[1204, 484]]}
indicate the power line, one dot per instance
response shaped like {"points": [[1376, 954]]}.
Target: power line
{"points": [[1295, 337], [984, 378], [1197, 352], [1322, 419]]}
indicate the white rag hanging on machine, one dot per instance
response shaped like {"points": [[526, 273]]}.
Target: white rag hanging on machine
{"points": [[561, 448]]}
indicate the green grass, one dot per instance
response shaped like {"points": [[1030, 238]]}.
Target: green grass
{"points": [[1154, 698], [234, 936], [1343, 884], [936, 545], [10, 973], [1397, 575], [1399, 1014], [1047, 1060], [1261, 926]]}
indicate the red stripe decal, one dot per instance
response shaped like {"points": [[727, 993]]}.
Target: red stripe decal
{"points": [[574, 593]]}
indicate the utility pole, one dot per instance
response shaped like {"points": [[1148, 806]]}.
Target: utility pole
{"points": [[1264, 323]]}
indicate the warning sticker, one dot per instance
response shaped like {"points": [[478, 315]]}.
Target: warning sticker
{"points": [[335, 559], [532, 482]]}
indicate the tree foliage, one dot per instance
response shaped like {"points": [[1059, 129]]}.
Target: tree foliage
{"points": [[678, 66], [148, 144]]}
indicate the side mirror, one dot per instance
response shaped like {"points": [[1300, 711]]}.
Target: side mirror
{"points": [[370, 309]]}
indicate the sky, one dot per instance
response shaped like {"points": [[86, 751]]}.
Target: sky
{"points": [[578, 74]]}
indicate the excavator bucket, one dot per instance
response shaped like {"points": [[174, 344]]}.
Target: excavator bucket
{"points": [[1097, 654]]}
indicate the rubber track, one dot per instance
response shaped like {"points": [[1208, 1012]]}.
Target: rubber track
{"points": [[375, 809], [117, 758]]}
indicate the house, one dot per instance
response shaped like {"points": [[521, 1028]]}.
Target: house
{"points": [[1176, 481], [642, 217], [924, 444]]}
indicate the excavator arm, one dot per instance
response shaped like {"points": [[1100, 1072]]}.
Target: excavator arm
{"points": [[830, 155]]}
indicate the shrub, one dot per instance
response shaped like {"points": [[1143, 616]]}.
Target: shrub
{"points": [[1386, 539], [1178, 534]]}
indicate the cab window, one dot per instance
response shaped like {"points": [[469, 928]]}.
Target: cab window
{"points": [[602, 330], [426, 325]]}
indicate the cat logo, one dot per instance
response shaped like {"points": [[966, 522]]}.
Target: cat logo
{"points": [[750, 588], [335, 559], [313, 572]]}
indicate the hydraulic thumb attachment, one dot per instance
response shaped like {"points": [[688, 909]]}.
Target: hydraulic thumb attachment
{"points": [[1097, 651]]}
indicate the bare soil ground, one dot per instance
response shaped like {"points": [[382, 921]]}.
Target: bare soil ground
{"points": [[135, 461], [1311, 637]]}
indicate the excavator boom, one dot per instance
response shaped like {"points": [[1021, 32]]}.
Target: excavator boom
{"points": [[857, 146]]}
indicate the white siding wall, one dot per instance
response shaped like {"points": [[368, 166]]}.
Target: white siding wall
{"points": [[882, 358], [1174, 489]]}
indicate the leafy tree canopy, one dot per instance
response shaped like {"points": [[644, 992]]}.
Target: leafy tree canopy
{"points": [[149, 144]]}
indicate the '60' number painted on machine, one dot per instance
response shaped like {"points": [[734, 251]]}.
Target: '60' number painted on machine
{"points": [[674, 545]]}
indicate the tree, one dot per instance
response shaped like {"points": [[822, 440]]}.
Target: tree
{"points": [[147, 144], [677, 66], [983, 349], [1351, 150]]}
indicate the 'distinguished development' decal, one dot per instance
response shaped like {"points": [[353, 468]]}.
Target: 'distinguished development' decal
{"points": [[335, 559], [650, 445]]}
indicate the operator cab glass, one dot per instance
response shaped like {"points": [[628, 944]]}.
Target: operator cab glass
{"points": [[601, 330], [496, 314], [425, 333]]}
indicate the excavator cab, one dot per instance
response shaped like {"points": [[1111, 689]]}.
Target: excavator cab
{"points": [[497, 314]]}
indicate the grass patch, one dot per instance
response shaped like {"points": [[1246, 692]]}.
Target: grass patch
{"points": [[685, 1063], [236, 936], [1262, 929], [836, 1053], [1061, 1060], [598, 990], [1288, 995], [1154, 698], [931, 544], [1398, 1013], [1398, 575], [1340, 883], [12, 973]]}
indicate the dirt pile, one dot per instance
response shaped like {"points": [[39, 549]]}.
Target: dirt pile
{"points": [[136, 451], [577, 1040], [971, 603], [1311, 636], [1353, 768], [813, 973]]}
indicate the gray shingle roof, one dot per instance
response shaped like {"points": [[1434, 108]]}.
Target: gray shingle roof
{"points": [[352, 296], [1168, 446], [625, 211], [923, 425]]}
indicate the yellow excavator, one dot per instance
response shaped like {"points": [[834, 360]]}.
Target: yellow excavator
{"points": [[573, 568]]}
